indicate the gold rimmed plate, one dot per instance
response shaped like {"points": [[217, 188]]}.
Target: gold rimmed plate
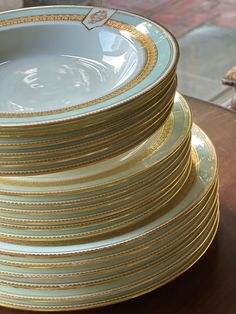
{"points": [[205, 177]]}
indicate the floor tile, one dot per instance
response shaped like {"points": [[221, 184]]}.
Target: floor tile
{"points": [[199, 86], [227, 19], [206, 53]]}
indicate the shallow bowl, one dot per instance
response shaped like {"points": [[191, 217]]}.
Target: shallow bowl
{"points": [[65, 62]]}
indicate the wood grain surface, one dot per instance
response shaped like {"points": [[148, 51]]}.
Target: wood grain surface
{"points": [[210, 285]]}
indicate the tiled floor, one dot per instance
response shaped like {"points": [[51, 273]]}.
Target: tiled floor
{"points": [[206, 31], [207, 52]]}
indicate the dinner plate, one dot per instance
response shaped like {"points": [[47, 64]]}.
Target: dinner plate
{"points": [[169, 238], [129, 286], [168, 256]]}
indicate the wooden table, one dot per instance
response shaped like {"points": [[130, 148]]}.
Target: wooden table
{"points": [[209, 286]]}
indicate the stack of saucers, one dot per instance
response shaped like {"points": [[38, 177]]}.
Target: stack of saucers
{"points": [[67, 105], [115, 227]]}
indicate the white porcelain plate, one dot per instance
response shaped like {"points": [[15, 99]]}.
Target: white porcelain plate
{"points": [[63, 62]]}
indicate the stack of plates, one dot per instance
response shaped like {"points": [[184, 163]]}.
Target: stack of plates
{"points": [[140, 205], [66, 105], [123, 265], [101, 198]]}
